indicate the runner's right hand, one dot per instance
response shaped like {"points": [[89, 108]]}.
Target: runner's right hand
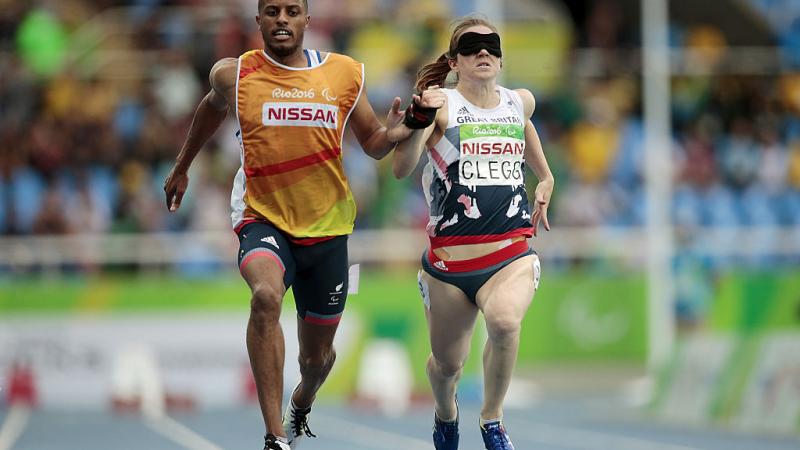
{"points": [[174, 187]]}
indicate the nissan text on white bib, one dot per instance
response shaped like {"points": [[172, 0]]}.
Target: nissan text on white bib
{"points": [[491, 155], [296, 114]]}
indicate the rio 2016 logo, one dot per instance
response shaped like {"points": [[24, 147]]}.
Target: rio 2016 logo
{"points": [[487, 131], [295, 93]]}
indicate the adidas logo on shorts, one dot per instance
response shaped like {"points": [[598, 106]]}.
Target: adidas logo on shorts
{"points": [[270, 240], [440, 265]]}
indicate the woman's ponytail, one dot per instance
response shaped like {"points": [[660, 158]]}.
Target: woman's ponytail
{"points": [[434, 73]]}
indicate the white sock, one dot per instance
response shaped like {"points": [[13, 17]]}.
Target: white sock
{"points": [[294, 407], [445, 421], [488, 421], [282, 439]]}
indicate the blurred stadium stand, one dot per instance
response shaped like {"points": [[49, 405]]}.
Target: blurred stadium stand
{"points": [[97, 96]]}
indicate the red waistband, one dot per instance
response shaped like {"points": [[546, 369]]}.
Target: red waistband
{"points": [[241, 224], [482, 262], [310, 240]]}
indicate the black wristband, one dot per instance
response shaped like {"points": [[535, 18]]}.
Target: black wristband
{"points": [[418, 117]]}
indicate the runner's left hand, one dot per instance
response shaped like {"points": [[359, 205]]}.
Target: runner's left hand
{"points": [[432, 97], [395, 132], [542, 200]]}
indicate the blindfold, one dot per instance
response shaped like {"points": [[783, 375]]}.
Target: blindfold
{"points": [[471, 43]]}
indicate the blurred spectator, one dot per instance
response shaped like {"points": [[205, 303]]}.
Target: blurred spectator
{"points": [[603, 26], [706, 46], [739, 157], [794, 165], [698, 166], [86, 212], [42, 42], [232, 36], [138, 209], [593, 142], [176, 87], [585, 204], [772, 172], [50, 218]]}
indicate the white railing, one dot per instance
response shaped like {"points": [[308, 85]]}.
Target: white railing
{"points": [[389, 246]]}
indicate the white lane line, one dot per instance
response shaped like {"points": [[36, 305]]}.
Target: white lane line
{"points": [[577, 438], [179, 433], [14, 425], [367, 436]]}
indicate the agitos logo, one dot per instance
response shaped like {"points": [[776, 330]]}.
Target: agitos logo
{"points": [[300, 115]]}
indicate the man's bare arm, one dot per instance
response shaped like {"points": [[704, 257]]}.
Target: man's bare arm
{"points": [[377, 140], [408, 151], [210, 112], [208, 117]]}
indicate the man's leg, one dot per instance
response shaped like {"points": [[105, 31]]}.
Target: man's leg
{"points": [[316, 360], [267, 264], [265, 343], [504, 300], [320, 293]]}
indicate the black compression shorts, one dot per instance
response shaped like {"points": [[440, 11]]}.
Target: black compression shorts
{"points": [[317, 274]]}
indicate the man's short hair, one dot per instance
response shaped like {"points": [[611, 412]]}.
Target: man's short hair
{"points": [[261, 5]]}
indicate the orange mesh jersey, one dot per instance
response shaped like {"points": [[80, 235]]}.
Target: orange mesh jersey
{"points": [[291, 124]]}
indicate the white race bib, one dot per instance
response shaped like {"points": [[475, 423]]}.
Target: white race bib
{"points": [[491, 155]]}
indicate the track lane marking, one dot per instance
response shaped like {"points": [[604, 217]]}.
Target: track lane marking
{"points": [[14, 426]]}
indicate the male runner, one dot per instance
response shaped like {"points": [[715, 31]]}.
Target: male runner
{"points": [[292, 206]]}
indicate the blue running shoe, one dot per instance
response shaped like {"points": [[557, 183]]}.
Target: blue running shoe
{"points": [[445, 434], [495, 436]]}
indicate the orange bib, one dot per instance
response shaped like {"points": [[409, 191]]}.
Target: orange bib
{"points": [[291, 125]]}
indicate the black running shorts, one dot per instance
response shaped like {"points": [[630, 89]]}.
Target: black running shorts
{"points": [[317, 273]]}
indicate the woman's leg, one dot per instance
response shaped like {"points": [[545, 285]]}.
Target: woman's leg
{"points": [[451, 319], [504, 300]]}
